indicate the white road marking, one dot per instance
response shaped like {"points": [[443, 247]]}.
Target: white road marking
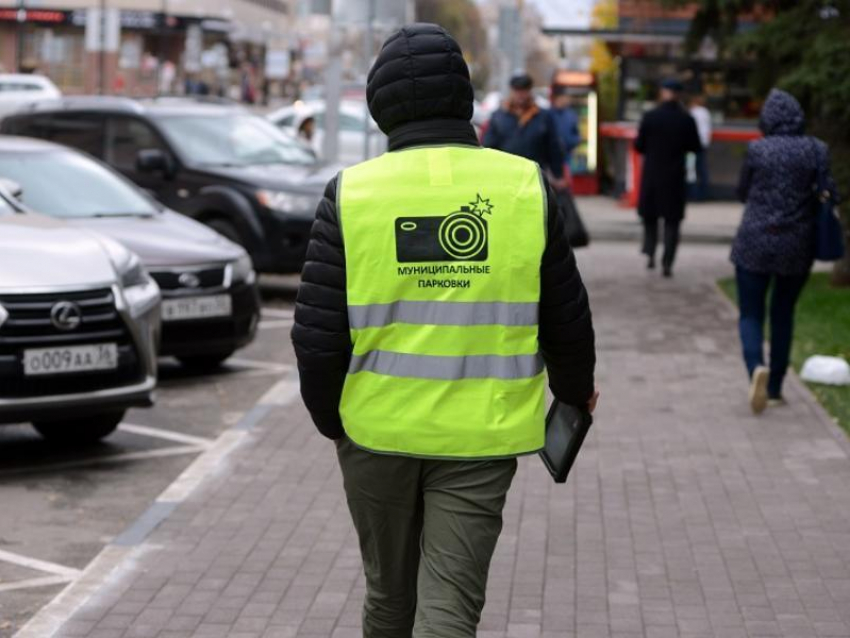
{"points": [[103, 460], [110, 564], [39, 565], [32, 583], [168, 435], [279, 313]]}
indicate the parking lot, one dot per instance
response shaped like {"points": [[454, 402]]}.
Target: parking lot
{"points": [[61, 506]]}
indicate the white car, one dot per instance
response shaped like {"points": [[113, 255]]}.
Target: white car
{"points": [[352, 128], [19, 90], [79, 326]]}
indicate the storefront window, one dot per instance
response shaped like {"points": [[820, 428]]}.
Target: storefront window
{"points": [[57, 53]]}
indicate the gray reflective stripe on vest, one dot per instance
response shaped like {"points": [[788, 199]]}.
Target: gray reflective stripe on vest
{"points": [[419, 366], [444, 313]]}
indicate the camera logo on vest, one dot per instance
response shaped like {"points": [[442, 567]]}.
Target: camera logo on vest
{"points": [[459, 236]]}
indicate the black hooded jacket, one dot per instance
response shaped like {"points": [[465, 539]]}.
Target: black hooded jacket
{"points": [[419, 93]]}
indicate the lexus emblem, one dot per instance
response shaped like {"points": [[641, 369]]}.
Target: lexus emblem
{"points": [[66, 316], [189, 280], [4, 314]]}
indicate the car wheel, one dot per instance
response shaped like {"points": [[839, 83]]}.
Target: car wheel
{"points": [[224, 227], [204, 362], [82, 430]]}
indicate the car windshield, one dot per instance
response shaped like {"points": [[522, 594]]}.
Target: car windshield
{"points": [[67, 184], [234, 139]]}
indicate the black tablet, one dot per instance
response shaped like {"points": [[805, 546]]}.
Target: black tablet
{"points": [[566, 427]]}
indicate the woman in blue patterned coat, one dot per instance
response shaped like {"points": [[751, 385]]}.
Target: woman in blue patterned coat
{"points": [[775, 243]]}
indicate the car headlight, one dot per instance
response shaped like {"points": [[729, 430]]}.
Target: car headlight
{"points": [[140, 290], [134, 274], [242, 270], [286, 202]]}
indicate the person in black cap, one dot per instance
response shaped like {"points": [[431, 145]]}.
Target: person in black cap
{"points": [[522, 128], [666, 135]]}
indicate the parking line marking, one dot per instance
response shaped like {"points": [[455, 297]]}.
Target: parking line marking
{"points": [[111, 564], [102, 460], [168, 435], [39, 565], [32, 583], [279, 313]]}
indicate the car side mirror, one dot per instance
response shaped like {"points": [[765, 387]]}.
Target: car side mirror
{"points": [[153, 160]]}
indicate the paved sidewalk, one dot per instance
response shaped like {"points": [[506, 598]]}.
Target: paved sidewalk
{"points": [[686, 516], [706, 223]]}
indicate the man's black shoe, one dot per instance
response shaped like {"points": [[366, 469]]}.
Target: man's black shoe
{"points": [[650, 264], [668, 271]]}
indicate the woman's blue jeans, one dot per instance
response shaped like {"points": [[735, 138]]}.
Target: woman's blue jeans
{"points": [[752, 301]]}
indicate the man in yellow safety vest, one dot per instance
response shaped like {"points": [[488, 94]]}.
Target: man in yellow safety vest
{"points": [[438, 291]]}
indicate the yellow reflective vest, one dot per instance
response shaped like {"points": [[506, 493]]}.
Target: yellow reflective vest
{"points": [[443, 247]]}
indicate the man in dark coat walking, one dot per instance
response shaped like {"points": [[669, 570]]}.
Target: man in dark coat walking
{"points": [[666, 135]]}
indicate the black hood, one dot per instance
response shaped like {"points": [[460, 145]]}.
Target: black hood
{"points": [[419, 75], [782, 115]]}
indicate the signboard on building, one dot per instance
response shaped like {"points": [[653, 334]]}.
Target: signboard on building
{"points": [[103, 30], [388, 12], [277, 64], [193, 49]]}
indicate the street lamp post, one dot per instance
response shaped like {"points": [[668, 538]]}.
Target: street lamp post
{"points": [[101, 60], [19, 40], [162, 40], [367, 54]]}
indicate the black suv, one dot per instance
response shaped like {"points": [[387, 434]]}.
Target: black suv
{"points": [[221, 165]]}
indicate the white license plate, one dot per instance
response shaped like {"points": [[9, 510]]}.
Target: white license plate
{"points": [[69, 359], [197, 308]]}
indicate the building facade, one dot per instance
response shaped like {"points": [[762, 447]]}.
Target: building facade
{"points": [[145, 47]]}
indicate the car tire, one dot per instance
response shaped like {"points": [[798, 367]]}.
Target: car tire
{"points": [[224, 227], [81, 430], [204, 362]]}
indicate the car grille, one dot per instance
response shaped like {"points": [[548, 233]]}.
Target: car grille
{"points": [[169, 280], [29, 326]]}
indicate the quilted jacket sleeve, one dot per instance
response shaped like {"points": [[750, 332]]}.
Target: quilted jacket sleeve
{"points": [[566, 334], [320, 334]]}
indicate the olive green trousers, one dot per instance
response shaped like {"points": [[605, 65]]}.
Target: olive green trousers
{"points": [[427, 531]]}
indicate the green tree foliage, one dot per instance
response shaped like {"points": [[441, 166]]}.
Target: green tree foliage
{"points": [[802, 46], [462, 19]]}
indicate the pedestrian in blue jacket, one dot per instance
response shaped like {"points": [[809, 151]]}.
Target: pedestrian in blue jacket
{"points": [[566, 120]]}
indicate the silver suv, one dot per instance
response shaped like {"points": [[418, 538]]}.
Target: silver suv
{"points": [[79, 326]]}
